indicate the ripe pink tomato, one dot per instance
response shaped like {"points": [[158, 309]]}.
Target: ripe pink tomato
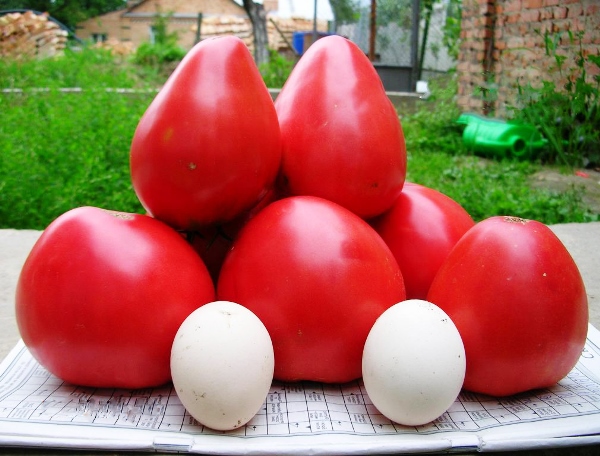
{"points": [[317, 276], [208, 147], [342, 138], [102, 294], [519, 303], [421, 228]]}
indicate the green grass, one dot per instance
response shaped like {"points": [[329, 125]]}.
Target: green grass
{"points": [[87, 68], [486, 188], [59, 151], [63, 150]]}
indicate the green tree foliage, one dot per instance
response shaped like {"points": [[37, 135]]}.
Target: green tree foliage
{"points": [[69, 12], [451, 27], [345, 11]]}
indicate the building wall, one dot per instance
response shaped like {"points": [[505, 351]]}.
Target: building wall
{"points": [[503, 45], [193, 6], [132, 27]]}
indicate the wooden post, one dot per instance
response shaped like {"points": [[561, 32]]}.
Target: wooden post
{"points": [[373, 32], [315, 35], [198, 27], [414, 43]]}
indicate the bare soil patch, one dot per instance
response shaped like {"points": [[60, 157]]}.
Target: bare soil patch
{"points": [[588, 179]]}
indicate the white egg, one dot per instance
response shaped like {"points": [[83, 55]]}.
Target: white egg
{"points": [[222, 364], [413, 363]]}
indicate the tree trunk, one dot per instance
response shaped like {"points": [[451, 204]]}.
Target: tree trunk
{"points": [[258, 17]]}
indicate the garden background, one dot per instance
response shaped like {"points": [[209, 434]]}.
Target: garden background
{"points": [[67, 120]]}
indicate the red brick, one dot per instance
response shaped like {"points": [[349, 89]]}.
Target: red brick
{"points": [[575, 11], [546, 14], [530, 42], [513, 18], [578, 25], [513, 5], [515, 42], [592, 10], [560, 12], [533, 3], [523, 29], [478, 45], [560, 26], [463, 65], [530, 16], [500, 44], [593, 70], [487, 33]]}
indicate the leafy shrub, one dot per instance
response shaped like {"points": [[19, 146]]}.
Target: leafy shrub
{"points": [[154, 54], [163, 49], [569, 116], [277, 70]]}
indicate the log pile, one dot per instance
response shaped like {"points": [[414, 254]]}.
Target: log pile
{"points": [[27, 34], [213, 26], [116, 47], [280, 30]]}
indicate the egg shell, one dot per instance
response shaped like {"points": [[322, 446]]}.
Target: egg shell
{"points": [[413, 363], [222, 365]]}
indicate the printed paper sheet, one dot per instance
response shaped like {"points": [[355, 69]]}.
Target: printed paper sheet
{"points": [[38, 409]]}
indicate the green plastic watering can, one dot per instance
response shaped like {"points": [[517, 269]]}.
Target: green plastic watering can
{"points": [[499, 138]]}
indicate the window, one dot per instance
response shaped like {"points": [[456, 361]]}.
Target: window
{"points": [[99, 37]]}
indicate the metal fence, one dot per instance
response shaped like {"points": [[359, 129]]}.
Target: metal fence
{"points": [[411, 53]]}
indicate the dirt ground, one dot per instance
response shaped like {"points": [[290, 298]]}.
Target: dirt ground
{"points": [[587, 178]]}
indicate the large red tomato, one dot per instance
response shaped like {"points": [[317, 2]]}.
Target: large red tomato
{"points": [[342, 139], [421, 228], [208, 147], [519, 303], [317, 276], [102, 294]]}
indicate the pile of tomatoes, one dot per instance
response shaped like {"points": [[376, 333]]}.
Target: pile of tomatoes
{"points": [[298, 210]]}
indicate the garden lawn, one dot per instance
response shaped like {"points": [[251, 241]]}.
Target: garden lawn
{"points": [[62, 150], [59, 151]]}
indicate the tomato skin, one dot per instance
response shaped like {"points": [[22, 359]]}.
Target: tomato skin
{"points": [[317, 276], [208, 147], [341, 135], [519, 303], [421, 229], [102, 294]]}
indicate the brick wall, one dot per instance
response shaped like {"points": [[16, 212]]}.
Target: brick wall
{"points": [[503, 44]]}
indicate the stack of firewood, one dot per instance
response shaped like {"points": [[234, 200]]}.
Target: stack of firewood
{"points": [[213, 26], [30, 35], [116, 47]]}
